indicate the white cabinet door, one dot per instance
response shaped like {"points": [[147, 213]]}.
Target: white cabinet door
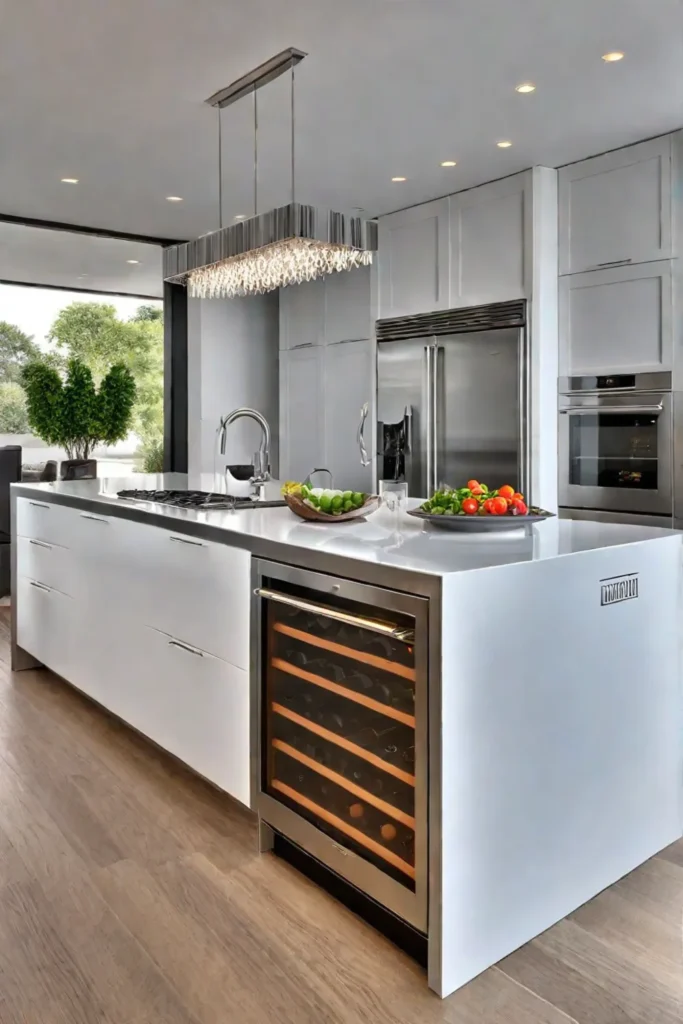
{"points": [[302, 314], [413, 260], [617, 321], [302, 426], [349, 384], [491, 241], [616, 208], [347, 306], [196, 707]]}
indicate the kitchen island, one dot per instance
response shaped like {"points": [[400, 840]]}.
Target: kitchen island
{"points": [[529, 734]]}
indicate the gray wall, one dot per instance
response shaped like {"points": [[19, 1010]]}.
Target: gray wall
{"points": [[232, 361]]}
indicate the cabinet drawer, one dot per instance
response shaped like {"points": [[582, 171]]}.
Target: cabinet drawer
{"points": [[196, 590], [47, 622], [196, 706], [45, 521], [46, 563]]}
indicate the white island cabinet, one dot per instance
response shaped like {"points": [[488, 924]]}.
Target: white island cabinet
{"points": [[526, 750], [151, 623]]}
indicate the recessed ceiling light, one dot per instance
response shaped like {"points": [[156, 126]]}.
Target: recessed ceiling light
{"points": [[611, 57], [70, 181], [504, 144], [80, 276], [175, 199], [448, 163], [240, 216], [398, 179], [525, 87], [132, 261]]}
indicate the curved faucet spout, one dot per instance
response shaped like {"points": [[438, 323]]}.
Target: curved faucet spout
{"points": [[262, 457]]}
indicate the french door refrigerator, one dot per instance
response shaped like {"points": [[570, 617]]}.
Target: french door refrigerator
{"points": [[452, 395]]}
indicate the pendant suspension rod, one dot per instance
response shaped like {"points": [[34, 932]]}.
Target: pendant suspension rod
{"points": [[220, 171], [292, 119], [255, 153]]}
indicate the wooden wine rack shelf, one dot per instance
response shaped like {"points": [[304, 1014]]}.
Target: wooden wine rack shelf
{"points": [[347, 652]]}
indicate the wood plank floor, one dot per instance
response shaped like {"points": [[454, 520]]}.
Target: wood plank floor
{"points": [[132, 893]]}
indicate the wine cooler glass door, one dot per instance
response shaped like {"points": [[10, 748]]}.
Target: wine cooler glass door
{"points": [[343, 729]]}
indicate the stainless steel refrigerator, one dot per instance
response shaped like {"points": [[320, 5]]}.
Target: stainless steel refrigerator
{"points": [[452, 404]]}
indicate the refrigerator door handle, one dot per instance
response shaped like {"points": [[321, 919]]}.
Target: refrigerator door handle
{"points": [[429, 371], [365, 460]]}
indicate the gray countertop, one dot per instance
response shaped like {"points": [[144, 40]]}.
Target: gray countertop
{"points": [[383, 539]]}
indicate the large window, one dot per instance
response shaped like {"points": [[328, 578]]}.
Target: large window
{"points": [[100, 330], [104, 319]]}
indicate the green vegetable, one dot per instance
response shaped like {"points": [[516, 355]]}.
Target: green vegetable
{"points": [[337, 503], [358, 498], [437, 511], [349, 505], [347, 495], [325, 503]]}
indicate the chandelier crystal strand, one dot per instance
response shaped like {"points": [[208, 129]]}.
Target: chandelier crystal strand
{"points": [[274, 266]]}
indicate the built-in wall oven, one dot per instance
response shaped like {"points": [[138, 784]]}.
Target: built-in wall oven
{"points": [[616, 444], [341, 729]]}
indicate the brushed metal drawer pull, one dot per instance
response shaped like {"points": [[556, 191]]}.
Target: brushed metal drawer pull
{"points": [[185, 647], [94, 519], [186, 540], [406, 636], [38, 504], [614, 263], [41, 586], [40, 544]]}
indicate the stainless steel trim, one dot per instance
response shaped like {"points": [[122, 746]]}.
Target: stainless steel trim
{"points": [[186, 647], [40, 586], [257, 77], [524, 399], [40, 544], [38, 504], [186, 540], [406, 636], [434, 443], [364, 459], [95, 519], [586, 384], [586, 410]]}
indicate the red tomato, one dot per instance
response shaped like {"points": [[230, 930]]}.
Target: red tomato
{"points": [[477, 490], [499, 506], [520, 506], [488, 506], [518, 496], [506, 491], [470, 506], [472, 484]]}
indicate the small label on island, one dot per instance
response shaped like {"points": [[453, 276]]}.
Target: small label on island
{"points": [[619, 588]]}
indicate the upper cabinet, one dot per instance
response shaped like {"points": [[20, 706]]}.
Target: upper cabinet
{"points": [[414, 260], [302, 412], [616, 209], [302, 314], [347, 306], [491, 241], [617, 320], [327, 310]]}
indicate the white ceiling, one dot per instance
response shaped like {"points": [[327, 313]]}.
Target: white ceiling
{"points": [[112, 93], [66, 260]]}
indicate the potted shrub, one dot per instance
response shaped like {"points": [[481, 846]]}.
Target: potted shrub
{"points": [[74, 415]]}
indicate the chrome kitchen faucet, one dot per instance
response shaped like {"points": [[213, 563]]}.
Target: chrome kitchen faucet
{"points": [[262, 456]]}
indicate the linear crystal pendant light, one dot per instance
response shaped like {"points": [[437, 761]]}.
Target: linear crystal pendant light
{"points": [[284, 246]]}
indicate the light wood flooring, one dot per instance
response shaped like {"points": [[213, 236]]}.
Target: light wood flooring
{"points": [[132, 893]]}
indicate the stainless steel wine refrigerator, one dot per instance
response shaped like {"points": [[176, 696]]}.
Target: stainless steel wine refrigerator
{"points": [[340, 764]]}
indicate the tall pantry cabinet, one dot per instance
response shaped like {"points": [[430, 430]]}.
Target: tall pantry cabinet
{"points": [[326, 377]]}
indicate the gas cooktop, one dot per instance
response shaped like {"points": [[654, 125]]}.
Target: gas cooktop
{"points": [[203, 501]]}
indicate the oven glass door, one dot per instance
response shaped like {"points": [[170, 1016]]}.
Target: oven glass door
{"points": [[618, 455]]}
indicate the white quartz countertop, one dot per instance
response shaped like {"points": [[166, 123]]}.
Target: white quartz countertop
{"points": [[382, 538]]}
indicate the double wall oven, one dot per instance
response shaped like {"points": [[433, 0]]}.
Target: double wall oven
{"points": [[616, 447], [341, 723]]}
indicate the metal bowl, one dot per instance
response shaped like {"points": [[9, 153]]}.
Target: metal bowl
{"points": [[480, 524]]}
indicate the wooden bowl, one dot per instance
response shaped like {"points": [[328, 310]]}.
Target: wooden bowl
{"points": [[313, 515]]}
